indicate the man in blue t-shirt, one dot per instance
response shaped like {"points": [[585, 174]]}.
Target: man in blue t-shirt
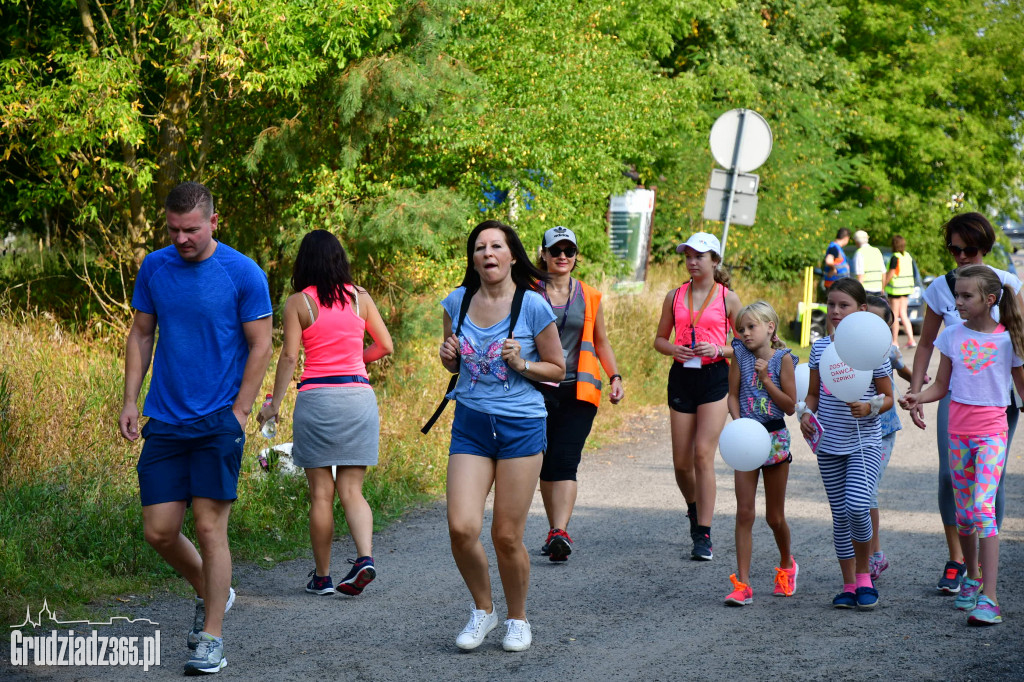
{"points": [[212, 307]]}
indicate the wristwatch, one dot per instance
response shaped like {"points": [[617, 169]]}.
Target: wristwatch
{"points": [[526, 366]]}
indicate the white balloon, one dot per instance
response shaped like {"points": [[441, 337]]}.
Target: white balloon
{"points": [[745, 444], [841, 380], [863, 340], [803, 380]]}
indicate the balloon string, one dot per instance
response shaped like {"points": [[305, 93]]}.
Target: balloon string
{"points": [[892, 375], [863, 461]]}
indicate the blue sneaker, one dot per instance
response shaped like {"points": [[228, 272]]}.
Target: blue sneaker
{"points": [[967, 600], [361, 575], [209, 656], [845, 600], [319, 584], [952, 576], [867, 598], [985, 613]]}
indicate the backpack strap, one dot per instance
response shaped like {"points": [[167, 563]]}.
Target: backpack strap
{"points": [[951, 282], [517, 306]]}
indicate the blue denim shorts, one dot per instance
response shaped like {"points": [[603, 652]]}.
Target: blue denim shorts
{"points": [[201, 459], [497, 437]]}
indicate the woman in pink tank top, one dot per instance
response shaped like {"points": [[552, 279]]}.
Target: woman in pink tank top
{"points": [[700, 312], [336, 425]]}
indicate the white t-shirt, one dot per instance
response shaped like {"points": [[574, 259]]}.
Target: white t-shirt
{"points": [[981, 365], [940, 299]]}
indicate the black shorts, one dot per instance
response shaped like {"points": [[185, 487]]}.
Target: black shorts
{"points": [[689, 388], [569, 422]]}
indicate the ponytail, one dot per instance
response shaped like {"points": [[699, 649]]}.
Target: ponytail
{"points": [[721, 275], [1010, 317]]}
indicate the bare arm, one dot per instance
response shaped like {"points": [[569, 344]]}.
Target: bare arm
{"points": [[551, 366], [883, 387], [734, 390], [449, 351], [606, 356], [813, 395], [382, 345], [784, 397], [257, 336], [922, 356], [137, 356], [662, 340], [937, 391], [288, 358], [889, 274]]}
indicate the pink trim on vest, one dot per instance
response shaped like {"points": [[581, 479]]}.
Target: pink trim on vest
{"points": [[334, 343]]}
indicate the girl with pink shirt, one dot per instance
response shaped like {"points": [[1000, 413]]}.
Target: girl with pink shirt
{"points": [[336, 418], [979, 357]]}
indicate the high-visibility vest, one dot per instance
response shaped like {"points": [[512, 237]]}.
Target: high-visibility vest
{"points": [[588, 370], [902, 283], [873, 266], [839, 263]]}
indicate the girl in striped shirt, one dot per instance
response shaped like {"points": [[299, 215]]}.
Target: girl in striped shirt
{"points": [[850, 453]]}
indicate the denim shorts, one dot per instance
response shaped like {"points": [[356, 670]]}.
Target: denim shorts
{"points": [[495, 436], [201, 459]]}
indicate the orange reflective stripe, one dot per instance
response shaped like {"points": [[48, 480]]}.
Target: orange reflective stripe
{"points": [[588, 370]]}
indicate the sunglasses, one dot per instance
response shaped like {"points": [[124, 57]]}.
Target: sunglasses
{"points": [[569, 251], [970, 251]]}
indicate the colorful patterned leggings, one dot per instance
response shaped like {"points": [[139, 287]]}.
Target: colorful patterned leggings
{"points": [[976, 464]]}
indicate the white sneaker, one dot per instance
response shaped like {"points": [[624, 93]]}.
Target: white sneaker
{"points": [[517, 635], [480, 623]]}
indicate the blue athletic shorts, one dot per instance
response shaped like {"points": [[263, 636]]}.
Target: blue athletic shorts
{"points": [[494, 436], [201, 459]]}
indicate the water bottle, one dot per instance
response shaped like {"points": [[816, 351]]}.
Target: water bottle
{"points": [[269, 429]]}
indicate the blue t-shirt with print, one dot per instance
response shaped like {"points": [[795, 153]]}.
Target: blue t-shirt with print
{"points": [[200, 308], [486, 384]]}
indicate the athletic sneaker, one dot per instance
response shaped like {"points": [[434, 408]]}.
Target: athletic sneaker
{"points": [[701, 548], [480, 623], [209, 656], [845, 600], [361, 575], [517, 635], [545, 549], [985, 613], [968, 597], [199, 620], [785, 580], [559, 545], [952, 575], [741, 594], [319, 584], [867, 598], [877, 563]]}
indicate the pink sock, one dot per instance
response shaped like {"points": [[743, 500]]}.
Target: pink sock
{"points": [[864, 580], [849, 587]]}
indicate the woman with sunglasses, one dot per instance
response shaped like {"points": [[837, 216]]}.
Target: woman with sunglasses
{"points": [[969, 236], [572, 403]]}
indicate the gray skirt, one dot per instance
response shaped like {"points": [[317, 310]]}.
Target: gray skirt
{"points": [[335, 427]]}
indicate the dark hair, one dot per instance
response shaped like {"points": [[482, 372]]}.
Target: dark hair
{"points": [[1009, 312], [899, 244], [852, 288], [323, 263], [187, 197], [877, 301], [973, 228], [524, 273], [842, 232]]}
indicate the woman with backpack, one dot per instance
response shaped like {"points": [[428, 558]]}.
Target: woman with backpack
{"points": [[499, 336]]}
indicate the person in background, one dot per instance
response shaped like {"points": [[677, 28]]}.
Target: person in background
{"points": [[211, 305], [868, 265], [336, 418], [572, 404], [700, 314], [899, 284], [835, 266]]}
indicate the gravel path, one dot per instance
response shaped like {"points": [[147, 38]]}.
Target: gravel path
{"points": [[629, 604]]}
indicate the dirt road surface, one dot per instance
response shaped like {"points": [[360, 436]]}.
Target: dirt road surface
{"points": [[629, 604]]}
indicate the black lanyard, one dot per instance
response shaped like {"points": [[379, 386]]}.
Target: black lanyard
{"points": [[565, 313]]}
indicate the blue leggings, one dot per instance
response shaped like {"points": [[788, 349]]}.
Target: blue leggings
{"points": [[947, 505], [848, 481]]}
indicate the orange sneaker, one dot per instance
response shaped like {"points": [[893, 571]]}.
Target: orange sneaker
{"points": [[741, 594], [785, 580]]}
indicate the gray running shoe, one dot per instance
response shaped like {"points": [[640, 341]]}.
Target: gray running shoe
{"points": [[199, 620], [209, 656]]}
